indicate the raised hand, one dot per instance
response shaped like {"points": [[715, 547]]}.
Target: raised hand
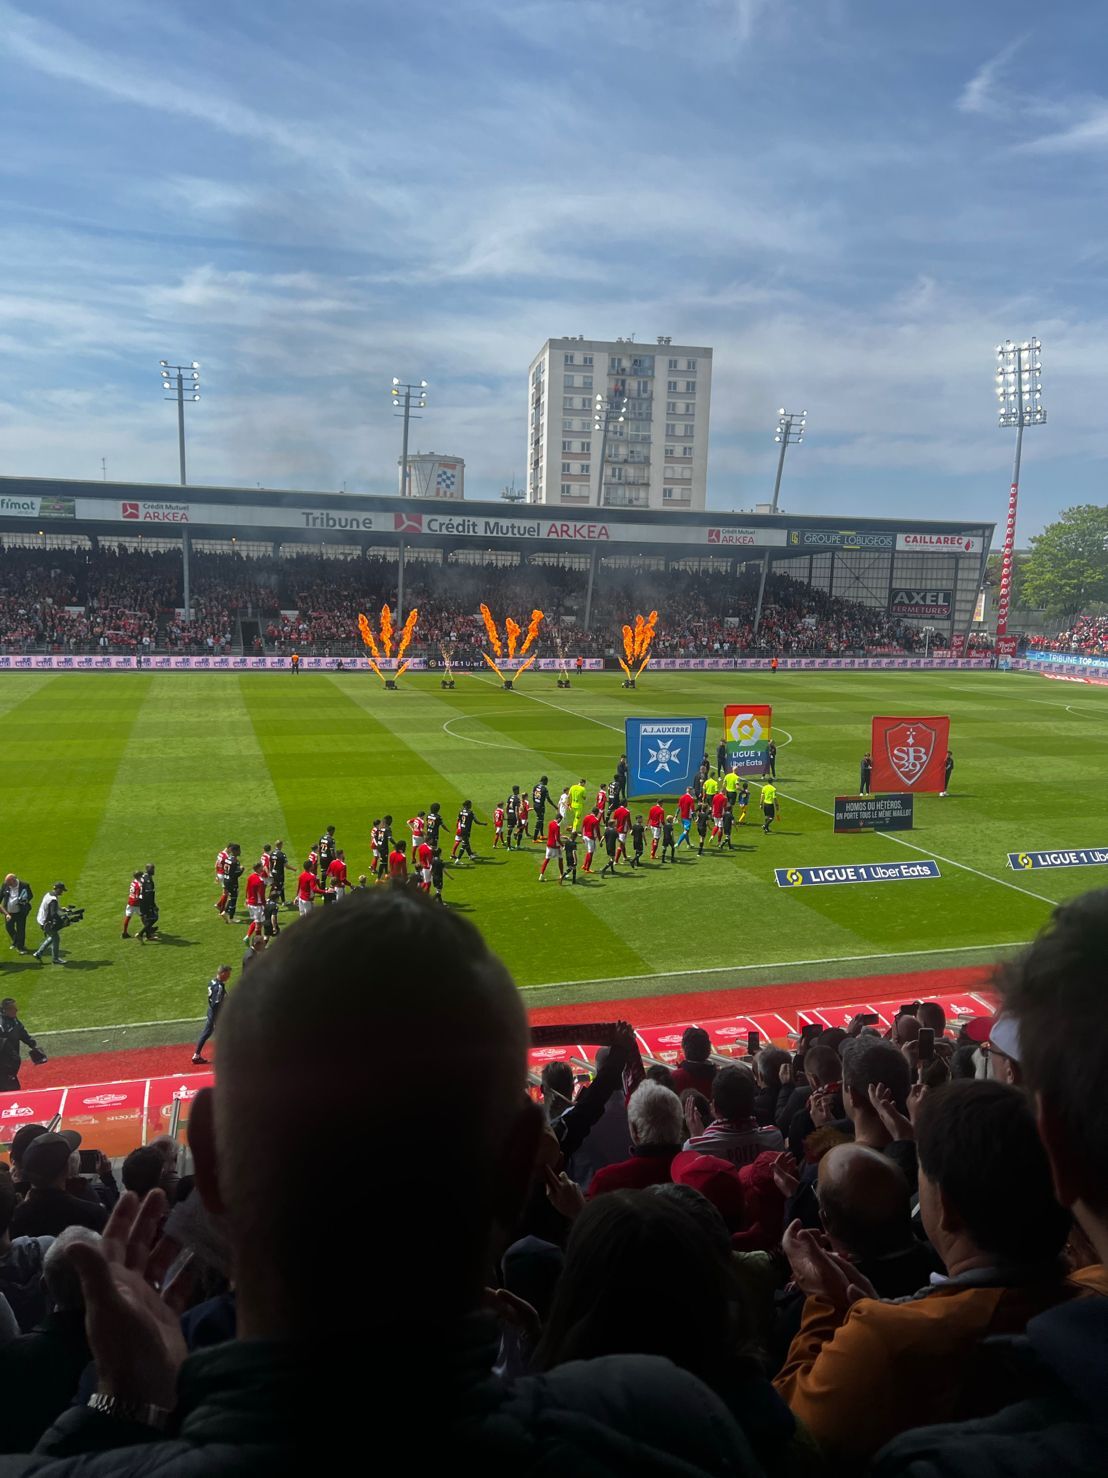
{"points": [[133, 1325]]}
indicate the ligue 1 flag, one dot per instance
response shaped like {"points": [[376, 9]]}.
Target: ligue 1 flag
{"points": [[747, 732], [909, 754], [663, 754]]}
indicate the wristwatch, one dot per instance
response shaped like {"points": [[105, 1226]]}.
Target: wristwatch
{"points": [[145, 1414]]}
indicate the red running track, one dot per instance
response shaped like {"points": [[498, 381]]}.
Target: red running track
{"points": [[641, 1011]]}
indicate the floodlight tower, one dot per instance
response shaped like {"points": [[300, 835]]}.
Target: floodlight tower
{"points": [[181, 382], [404, 397], [1019, 403], [790, 432], [608, 410]]}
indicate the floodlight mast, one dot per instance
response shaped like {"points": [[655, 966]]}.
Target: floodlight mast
{"points": [[1019, 403], [181, 382], [789, 432]]}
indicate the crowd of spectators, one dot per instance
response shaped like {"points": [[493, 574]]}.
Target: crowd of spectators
{"points": [[1088, 636], [116, 600], [882, 1254]]}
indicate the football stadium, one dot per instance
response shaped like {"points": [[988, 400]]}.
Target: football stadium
{"points": [[137, 735]]}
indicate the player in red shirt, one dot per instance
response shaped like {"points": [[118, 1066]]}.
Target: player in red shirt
{"points": [[337, 881], [655, 816], [424, 857], [307, 888], [686, 805], [134, 893], [719, 805], [498, 826], [417, 825], [621, 817], [601, 802], [255, 899], [553, 849], [398, 864], [521, 828], [590, 829]]}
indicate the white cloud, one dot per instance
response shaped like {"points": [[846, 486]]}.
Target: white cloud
{"points": [[984, 92]]}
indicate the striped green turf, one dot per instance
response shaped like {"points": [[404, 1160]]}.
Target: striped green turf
{"points": [[104, 772]]}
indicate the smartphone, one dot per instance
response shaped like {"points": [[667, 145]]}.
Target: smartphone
{"points": [[753, 1043], [867, 1018], [810, 1032], [90, 1161], [911, 1009], [926, 1042]]}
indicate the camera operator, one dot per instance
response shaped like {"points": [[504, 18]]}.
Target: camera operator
{"points": [[51, 922], [15, 901], [12, 1032]]}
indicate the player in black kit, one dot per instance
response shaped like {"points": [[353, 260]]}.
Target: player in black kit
{"points": [[539, 797]]}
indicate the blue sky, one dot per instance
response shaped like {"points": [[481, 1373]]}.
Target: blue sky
{"points": [[851, 200]]}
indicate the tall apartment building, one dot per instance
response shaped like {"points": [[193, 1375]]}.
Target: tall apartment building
{"points": [[656, 457]]}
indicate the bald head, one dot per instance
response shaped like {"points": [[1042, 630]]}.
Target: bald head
{"points": [[864, 1201], [326, 1047]]}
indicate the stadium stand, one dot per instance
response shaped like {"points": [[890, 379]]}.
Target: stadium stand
{"points": [[128, 601], [921, 1291], [1087, 636]]}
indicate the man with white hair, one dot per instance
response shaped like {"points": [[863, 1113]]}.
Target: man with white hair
{"points": [[657, 1125], [40, 1371]]}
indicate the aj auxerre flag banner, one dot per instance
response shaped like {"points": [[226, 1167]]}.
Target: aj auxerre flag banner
{"points": [[909, 754], [858, 872], [747, 732], [1076, 857], [663, 754]]}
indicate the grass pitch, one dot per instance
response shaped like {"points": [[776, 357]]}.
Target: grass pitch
{"points": [[105, 772]]}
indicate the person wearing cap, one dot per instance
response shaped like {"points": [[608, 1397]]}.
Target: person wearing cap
{"points": [[1004, 1050], [12, 1032], [48, 1207], [50, 922]]}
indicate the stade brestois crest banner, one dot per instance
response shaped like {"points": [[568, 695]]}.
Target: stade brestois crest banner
{"points": [[663, 754], [909, 754], [747, 732]]}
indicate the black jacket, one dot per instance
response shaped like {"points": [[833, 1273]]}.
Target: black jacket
{"points": [[12, 1032], [265, 1409], [39, 1373]]}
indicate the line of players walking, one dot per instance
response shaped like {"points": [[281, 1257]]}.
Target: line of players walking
{"points": [[713, 804], [710, 805]]}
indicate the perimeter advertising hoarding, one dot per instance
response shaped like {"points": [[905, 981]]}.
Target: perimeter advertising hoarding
{"points": [[873, 813], [909, 754], [747, 732], [663, 754]]}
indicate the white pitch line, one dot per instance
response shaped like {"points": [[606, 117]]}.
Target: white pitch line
{"points": [[906, 954], [923, 851], [516, 748]]}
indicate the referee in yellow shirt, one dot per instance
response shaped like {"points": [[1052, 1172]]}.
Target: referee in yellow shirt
{"points": [[731, 788], [769, 806]]}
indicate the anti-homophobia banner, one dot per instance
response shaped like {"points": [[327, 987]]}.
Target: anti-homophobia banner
{"points": [[663, 754], [873, 812], [858, 872], [1076, 857], [909, 754], [747, 732]]}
